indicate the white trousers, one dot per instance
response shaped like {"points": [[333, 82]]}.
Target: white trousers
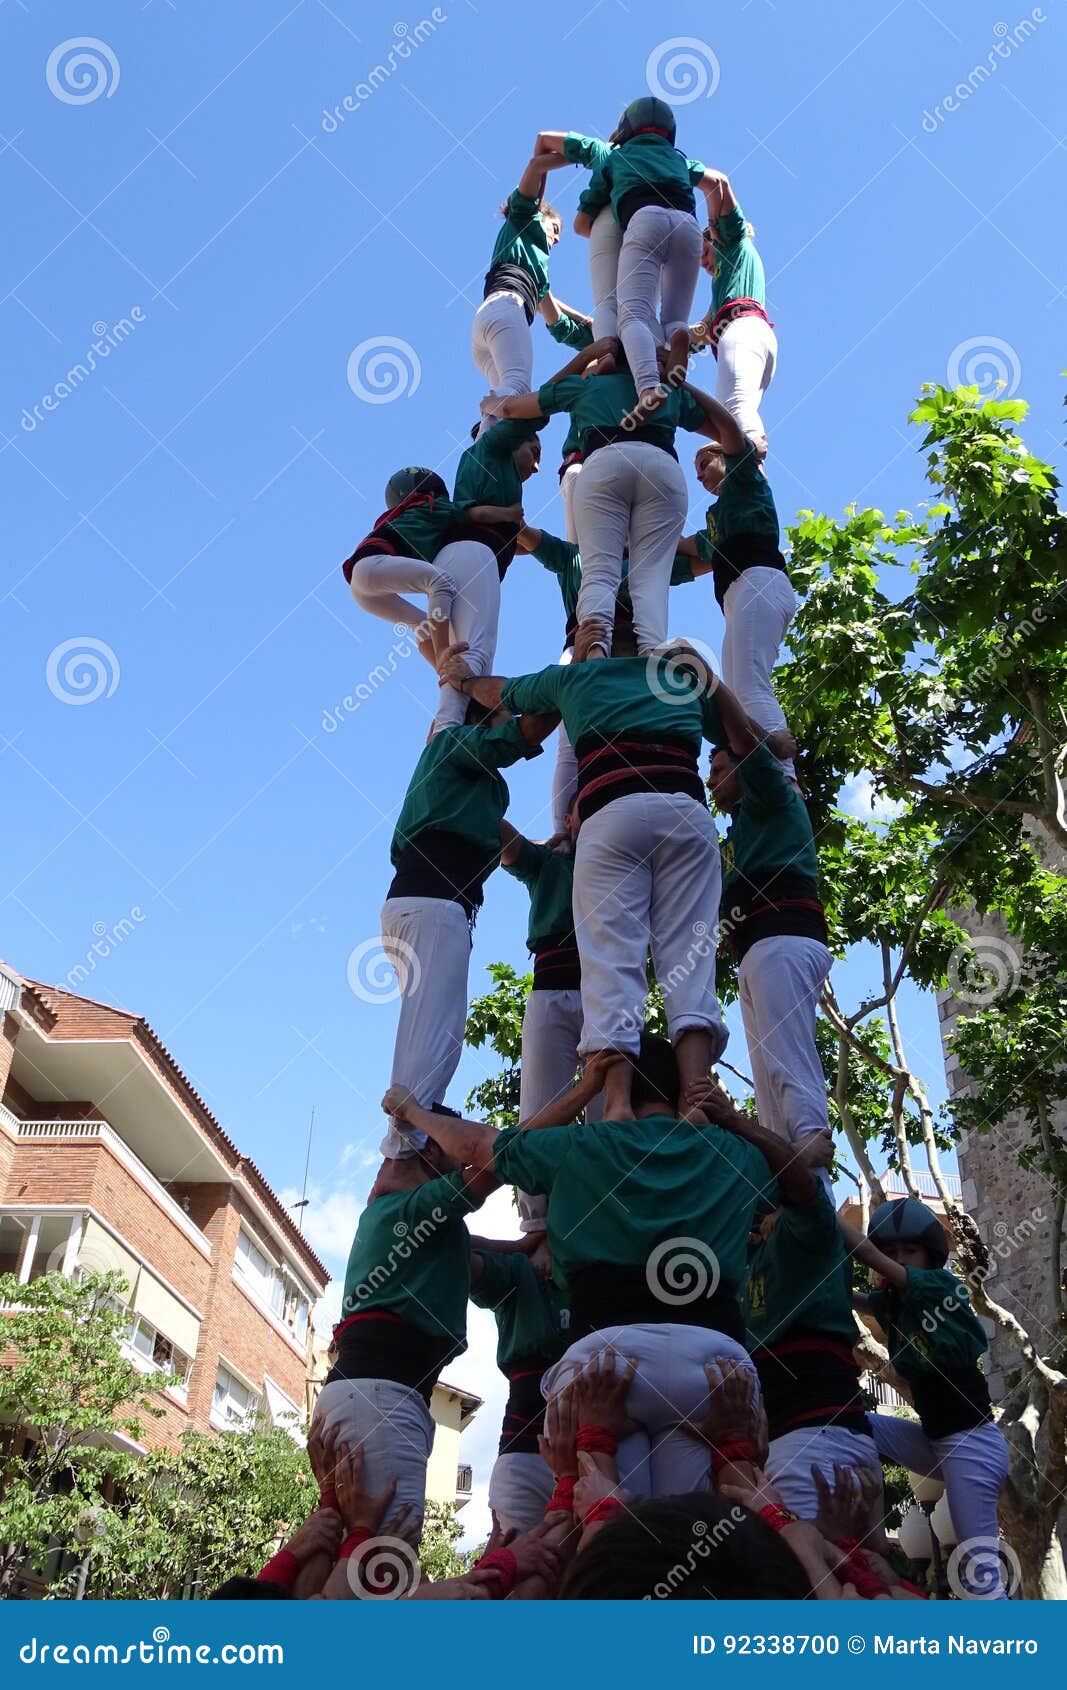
{"points": [[520, 1486], [393, 1425], [551, 1034], [660, 253], [605, 244], [757, 608], [669, 1390], [747, 355], [567, 483], [631, 492], [428, 942], [565, 773], [502, 347], [462, 586], [973, 1466], [779, 981], [793, 1455], [646, 872]]}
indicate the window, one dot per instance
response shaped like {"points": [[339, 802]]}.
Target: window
{"points": [[152, 1352], [234, 1404], [271, 1285]]}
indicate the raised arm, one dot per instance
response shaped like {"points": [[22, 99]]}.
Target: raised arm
{"points": [[511, 843], [867, 1252], [532, 181], [718, 423], [470, 1143], [795, 1179], [715, 186]]}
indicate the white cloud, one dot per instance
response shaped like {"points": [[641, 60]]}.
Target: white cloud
{"points": [[329, 1222], [858, 798]]}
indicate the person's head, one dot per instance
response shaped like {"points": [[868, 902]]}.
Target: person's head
{"points": [[724, 781], [710, 465], [403, 483], [484, 716], [552, 223], [655, 1077], [433, 1159], [686, 1549], [646, 116], [527, 457], [709, 252], [250, 1590], [909, 1233]]}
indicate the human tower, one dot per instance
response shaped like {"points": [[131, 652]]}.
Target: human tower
{"points": [[682, 1279]]}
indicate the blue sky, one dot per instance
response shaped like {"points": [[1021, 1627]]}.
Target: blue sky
{"points": [[182, 512]]}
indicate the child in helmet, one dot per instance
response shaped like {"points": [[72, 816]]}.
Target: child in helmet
{"points": [[651, 189], [515, 284], [418, 546], [935, 1342]]}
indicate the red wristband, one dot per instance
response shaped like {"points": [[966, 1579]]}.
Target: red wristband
{"points": [[358, 1536], [562, 1499], [856, 1571], [506, 1565], [327, 1497], [596, 1440], [280, 1569], [729, 1451], [776, 1516], [602, 1510]]}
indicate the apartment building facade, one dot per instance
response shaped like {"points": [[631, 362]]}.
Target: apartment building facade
{"points": [[110, 1159]]}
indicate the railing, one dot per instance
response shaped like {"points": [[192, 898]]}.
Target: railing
{"points": [[100, 1132], [883, 1393], [893, 1183], [464, 1481]]}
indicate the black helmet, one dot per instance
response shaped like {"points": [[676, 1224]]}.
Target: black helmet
{"points": [[907, 1221], [646, 113], [403, 482]]}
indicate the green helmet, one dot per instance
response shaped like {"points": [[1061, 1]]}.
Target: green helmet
{"points": [[907, 1221], [646, 113], [404, 482]]}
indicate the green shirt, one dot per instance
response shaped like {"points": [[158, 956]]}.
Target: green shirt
{"points": [[800, 1277], [486, 473], [614, 699], [770, 833], [745, 505], [411, 1255], [738, 266], [564, 561], [603, 402], [929, 1323], [457, 786], [595, 195], [571, 331], [523, 240], [618, 1189], [549, 878], [531, 1313], [643, 162], [424, 528]]}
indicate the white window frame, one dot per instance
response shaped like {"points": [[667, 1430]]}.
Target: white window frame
{"points": [[147, 1363], [242, 1423]]}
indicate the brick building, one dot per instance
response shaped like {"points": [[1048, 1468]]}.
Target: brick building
{"points": [[109, 1159]]}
